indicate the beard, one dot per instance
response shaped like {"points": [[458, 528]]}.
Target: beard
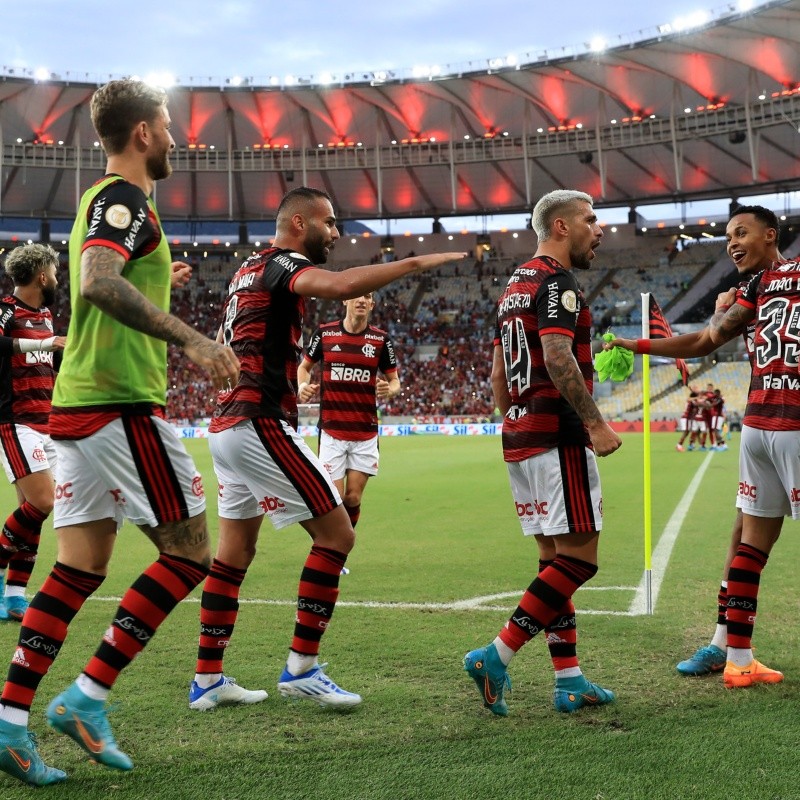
{"points": [[48, 295], [315, 248], [159, 167], [581, 260]]}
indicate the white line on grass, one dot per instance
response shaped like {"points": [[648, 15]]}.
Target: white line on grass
{"points": [[638, 606], [665, 544]]}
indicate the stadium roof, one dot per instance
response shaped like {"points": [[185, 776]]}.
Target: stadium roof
{"points": [[709, 113]]}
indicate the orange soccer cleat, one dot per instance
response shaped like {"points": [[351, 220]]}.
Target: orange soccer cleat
{"points": [[754, 672]]}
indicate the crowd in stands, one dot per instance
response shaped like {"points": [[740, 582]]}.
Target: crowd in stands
{"points": [[442, 325]]}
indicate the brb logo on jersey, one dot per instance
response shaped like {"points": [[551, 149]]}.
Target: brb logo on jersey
{"points": [[351, 374]]}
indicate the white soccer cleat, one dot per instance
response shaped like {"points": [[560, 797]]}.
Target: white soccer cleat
{"points": [[317, 686], [225, 692]]}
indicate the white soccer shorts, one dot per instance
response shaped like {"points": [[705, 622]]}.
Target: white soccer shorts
{"points": [[264, 466], [557, 492], [135, 467], [340, 455], [24, 451], [769, 473]]}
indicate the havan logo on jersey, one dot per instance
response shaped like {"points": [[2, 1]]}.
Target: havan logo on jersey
{"points": [[351, 374]]}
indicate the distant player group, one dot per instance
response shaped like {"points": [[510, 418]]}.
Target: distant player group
{"points": [[703, 420], [102, 452]]}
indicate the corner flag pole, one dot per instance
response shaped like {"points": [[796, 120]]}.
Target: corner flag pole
{"points": [[648, 511]]}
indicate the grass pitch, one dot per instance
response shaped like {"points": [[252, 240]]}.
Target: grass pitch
{"points": [[438, 566]]}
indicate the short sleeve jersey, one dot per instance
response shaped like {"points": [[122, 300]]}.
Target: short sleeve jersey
{"points": [[108, 365], [263, 323], [350, 366], [772, 402], [26, 379], [541, 298]]}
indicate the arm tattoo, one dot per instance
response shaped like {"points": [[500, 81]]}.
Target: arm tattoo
{"points": [[723, 327], [567, 378], [103, 286]]}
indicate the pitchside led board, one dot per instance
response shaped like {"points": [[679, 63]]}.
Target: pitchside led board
{"points": [[431, 429]]}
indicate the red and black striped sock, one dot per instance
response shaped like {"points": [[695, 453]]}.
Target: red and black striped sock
{"points": [[562, 634], [219, 606], [545, 599], [21, 565], [316, 598], [143, 608], [19, 530], [44, 628], [744, 577], [354, 512]]}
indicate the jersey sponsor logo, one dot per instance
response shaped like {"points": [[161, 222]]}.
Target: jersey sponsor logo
{"points": [[130, 239], [374, 336], [331, 333], [794, 495], [781, 382], [336, 349], [513, 302], [353, 374], [272, 505], [368, 350], [552, 301], [39, 357], [524, 271], [242, 282], [287, 263], [64, 491], [516, 412], [747, 490], [118, 216], [28, 324], [534, 508], [97, 216], [569, 301]]}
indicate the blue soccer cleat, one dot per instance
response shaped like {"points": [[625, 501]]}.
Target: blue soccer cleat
{"points": [[705, 660], [85, 721], [16, 606], [489, 673], [19, 757], [573, 693]]}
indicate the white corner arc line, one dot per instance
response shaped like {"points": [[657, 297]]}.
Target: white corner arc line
{"points": [[663, 549]]}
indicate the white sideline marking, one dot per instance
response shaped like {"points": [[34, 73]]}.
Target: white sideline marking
{"points": [[665, 544], [638, 606]]}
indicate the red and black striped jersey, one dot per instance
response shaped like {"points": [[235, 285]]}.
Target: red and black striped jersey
{"points": [[772, 402], [350, 365], [541, 298], [26, 379], [263, 323]]}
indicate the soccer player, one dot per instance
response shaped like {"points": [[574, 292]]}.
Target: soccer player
{"points": [[352, 353], [27, 345], [552, 431], [717, 403], [263, 465], [752, 235], [116, 455], [685, 421]]}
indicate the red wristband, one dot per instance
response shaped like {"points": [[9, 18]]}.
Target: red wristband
{"points": [[643, 346]]}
